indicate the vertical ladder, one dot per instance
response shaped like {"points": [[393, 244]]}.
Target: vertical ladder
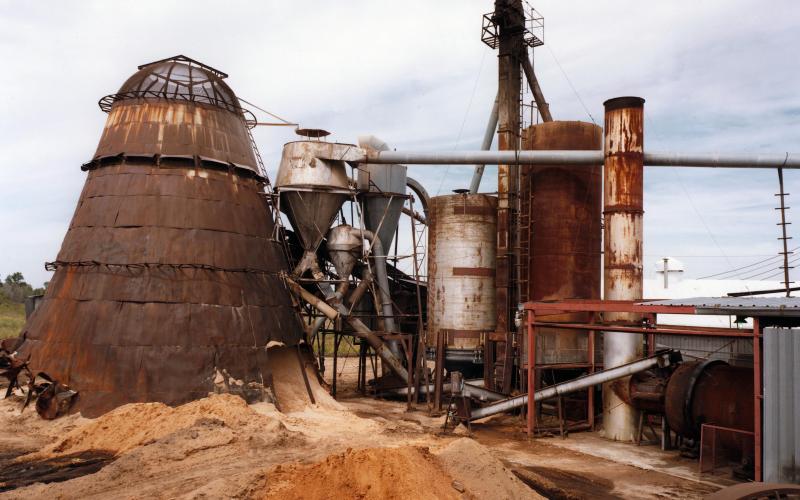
{"points": [[418, 253], [278, 234], [785, 239]]}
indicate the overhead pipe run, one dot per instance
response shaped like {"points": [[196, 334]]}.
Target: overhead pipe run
{"points": [[526, 157]]}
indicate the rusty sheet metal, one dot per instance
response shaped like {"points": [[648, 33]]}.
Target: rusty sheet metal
{"points": [[565, 232], [710, 392], [462, 232], [147, 127], [168, 277]]}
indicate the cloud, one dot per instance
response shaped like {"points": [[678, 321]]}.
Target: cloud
{"points": [[717, 76]]}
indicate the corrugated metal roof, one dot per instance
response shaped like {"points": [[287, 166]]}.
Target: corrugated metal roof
{"points": [[750, 306]]}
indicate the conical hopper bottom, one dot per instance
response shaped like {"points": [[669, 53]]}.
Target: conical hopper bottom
{"points": [[311, 213], [379, 211]]}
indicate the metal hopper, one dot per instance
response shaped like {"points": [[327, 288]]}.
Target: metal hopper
{"points": [[312, 183], [384, 189]]}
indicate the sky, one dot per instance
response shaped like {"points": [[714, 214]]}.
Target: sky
{"points": [[717, 76]]}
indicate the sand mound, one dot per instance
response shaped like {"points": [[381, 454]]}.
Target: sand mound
{"points": [[373, 473], [133, 425], [482, 475]]}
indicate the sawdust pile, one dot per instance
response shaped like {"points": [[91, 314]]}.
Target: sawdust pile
{"points": [[482, 475], [291, 388], [137, 424], [369, 474]]}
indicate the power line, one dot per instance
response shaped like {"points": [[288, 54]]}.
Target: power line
{"points": [[464, 121], [574, 90], [770, 270], [779, 273], [745, 267]]}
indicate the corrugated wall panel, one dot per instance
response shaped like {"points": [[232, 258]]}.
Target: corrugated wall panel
{"points": [[734, 351], [781, 405]]}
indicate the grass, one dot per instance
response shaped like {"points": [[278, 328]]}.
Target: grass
{"points": [[345, 349], [12, 319]]}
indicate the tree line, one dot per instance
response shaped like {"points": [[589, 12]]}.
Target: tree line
{"points": [[15, 289]]}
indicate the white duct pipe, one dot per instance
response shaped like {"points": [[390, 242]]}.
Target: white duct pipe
{"points": [[421, 192], [527, 157]]}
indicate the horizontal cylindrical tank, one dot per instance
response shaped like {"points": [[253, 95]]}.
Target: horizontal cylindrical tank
{"points": [[709, 392], [565, 233], [462, 236]]}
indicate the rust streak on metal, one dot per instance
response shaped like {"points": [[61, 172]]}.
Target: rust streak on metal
{"points": [[461, 231], [168, 276], [622, 280], [564, 258]]}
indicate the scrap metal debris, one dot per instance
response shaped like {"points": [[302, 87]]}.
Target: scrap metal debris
{"points": [[53, 398]]}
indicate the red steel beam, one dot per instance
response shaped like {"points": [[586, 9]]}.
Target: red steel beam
{"points": [[531, 330], [605, 306], [722, 332]]}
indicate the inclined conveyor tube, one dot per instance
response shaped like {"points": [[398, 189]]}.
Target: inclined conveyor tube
{"points": [[661, 359]]}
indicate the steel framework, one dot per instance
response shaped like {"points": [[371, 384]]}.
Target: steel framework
{"points": [[537, 311]]}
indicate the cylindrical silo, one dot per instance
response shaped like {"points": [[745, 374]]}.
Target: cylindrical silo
{"points": [[564, 260], [462, 241], [167, 282]]}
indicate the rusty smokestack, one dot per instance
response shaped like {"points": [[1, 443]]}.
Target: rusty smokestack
{"points": [[623, 209], [167, 283]]}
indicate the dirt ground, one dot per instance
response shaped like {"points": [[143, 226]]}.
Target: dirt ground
{"points": [[358, 447]]}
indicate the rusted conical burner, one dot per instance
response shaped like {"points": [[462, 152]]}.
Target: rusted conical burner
{"points": [[167, 284]]}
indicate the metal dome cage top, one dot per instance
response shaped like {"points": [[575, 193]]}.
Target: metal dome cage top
{"points": [[178, 78]]}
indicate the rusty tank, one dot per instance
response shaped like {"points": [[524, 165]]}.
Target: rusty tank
{"points": [[462, 235], [167, 283], [709, 392], [563, 204], [696, 393]]}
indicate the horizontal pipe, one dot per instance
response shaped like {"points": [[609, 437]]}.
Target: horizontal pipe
{"points": [[470, 389], [527, 157], [662, 330], [486, 157], [657, 159], [661, 359]]}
